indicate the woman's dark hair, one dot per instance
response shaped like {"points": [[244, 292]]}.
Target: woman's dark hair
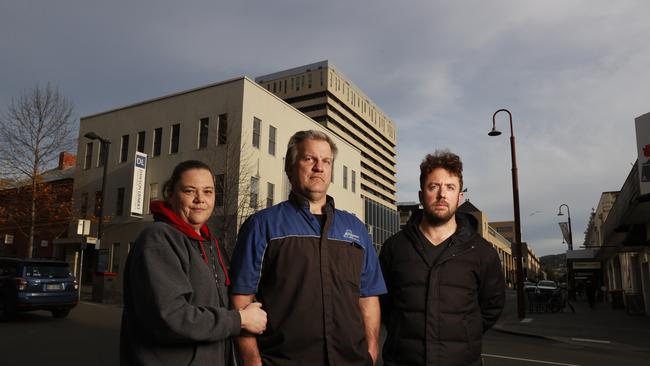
{"points": [[170, 184]]}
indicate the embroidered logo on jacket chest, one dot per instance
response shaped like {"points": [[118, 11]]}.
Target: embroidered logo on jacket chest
{"points": [[351, 236]]}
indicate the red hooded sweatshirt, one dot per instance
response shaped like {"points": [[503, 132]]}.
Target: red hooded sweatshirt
{"points": [[162, 211]]}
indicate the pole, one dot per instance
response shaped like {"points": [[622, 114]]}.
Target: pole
{"points": [[519, 272], [570, 232], [518, 254], [81, 271], [105, 145]]}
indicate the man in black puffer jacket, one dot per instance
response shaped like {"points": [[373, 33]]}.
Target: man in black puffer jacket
{"points": [[445, 285]]}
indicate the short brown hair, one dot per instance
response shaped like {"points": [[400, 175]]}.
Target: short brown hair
{"points": [[441, 159], [297, 138]]}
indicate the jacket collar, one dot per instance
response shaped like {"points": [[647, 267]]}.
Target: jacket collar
{"points": [[459, 243], [162, 211], [303, 203], [467, 225]]}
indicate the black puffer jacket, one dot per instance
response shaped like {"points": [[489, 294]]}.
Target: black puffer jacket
{"points": [[436, 313]]}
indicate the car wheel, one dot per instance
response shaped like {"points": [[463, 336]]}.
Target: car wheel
{"points": [[6, 311], [60, 313]]}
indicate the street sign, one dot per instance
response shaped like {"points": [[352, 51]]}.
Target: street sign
{"points": [[83, 227], [9, 239], [91, 240], [586, 265], [137, 188]]}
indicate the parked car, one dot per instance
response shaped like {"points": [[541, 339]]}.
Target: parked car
{"points": [[543, 286], [529, 286], [36, 284]]}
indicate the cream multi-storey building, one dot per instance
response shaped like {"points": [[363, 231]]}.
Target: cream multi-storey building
{"points": [[531, 263], [236, 126], [323, 93]]}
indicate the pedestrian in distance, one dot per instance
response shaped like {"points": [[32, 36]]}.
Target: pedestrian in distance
{"points": [[176, 309], [313, 267], [590, 292], [445, 284]]}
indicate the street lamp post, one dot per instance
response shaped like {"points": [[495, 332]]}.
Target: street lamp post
{"points": [[559, 213], [105, 144], [569, 264], [519, 274]]}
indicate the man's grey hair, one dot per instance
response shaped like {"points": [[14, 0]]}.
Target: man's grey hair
{"points": [[297, 139]]}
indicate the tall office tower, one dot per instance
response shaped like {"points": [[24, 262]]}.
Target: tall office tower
{"points": [[323, 93]]}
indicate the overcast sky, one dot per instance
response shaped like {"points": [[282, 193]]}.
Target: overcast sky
{"points": [[574, 74]]}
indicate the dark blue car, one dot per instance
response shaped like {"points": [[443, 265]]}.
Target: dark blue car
{"points": [[36, 284]]}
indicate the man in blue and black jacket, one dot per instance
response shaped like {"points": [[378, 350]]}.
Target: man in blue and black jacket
{"points": [[313, 268]]}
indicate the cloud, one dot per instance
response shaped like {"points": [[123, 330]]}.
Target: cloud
{"points": [[573, 74]]}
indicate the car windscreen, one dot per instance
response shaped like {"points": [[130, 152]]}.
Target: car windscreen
{"points": [[48, 270], [547, 284]]}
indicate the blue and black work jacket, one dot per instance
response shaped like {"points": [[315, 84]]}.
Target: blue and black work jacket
{"points": [[309, 279]]}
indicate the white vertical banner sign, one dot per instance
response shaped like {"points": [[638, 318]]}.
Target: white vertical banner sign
{"points": [[137, 189], [564, 227]]}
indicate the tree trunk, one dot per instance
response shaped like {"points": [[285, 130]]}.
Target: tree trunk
{"points": [[32, 220]]}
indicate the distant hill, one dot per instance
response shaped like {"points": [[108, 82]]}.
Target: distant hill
{"points": [[553, 260], [555, 266]]}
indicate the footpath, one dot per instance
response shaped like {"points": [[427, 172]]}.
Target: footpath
{"points": [[601, 327]]}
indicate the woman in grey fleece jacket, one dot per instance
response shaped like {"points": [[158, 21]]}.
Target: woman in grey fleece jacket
{"points": [[175, 297]]}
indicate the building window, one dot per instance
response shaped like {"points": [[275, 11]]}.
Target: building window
{"points": [[204, 124], [176, 134], [309, 81], [84, 205], [270, 193], [345, 177], [124, 149], [354, 181], [220, 189], [141, 139], [119, 209], [272, 140], [157, 141], [102, 155], [89, 155], [285, 86], [222, 136], [257, 130], [255, 189], [115, 258], [98, 202]]}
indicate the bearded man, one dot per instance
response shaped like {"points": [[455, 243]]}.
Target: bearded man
{"points": [[445, 285]]}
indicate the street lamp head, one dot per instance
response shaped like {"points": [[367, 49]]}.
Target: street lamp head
{"points": [[494, 132], [559, 212], [92, 136]]}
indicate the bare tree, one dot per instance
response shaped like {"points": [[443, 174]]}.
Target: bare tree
{"points": [[235, 169], [34, 129]]}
